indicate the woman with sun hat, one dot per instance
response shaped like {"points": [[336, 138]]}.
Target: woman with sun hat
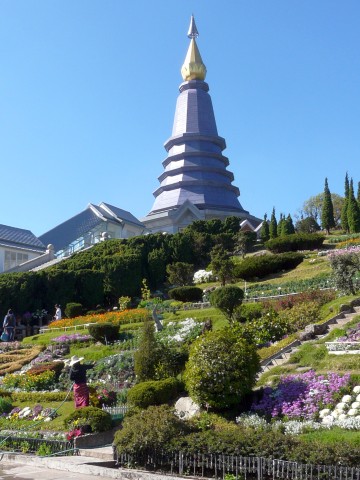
{"points": [[78, 376]]}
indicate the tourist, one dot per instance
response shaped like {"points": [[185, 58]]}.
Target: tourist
{"points": [[78, 376], [9, 325], [57, 315]]}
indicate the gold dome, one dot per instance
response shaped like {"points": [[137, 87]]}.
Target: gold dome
{"points": [[193, 67]]}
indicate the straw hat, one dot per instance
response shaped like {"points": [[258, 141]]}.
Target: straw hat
{"points": [[74, 359]]}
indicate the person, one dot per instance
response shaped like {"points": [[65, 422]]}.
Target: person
{"points": [[9, 325], [57, 315], [78, 376]]}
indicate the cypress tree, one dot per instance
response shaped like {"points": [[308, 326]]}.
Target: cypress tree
{"points": [[264, 232], [327, 212], [358, 194], [290, 225], [273, 225], [344, 217], [353, 211], [279, 225]]}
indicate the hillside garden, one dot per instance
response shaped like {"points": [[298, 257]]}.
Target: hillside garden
{"points": [[307, 409]]}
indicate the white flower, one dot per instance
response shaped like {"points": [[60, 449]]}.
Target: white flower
{"points": [[342, 416], [346, 399], [355, 405], [352, 412], [341, 406], [356, 389], [47, 419], [328, 420], [358, 398], [335, 413], [323, 413]]}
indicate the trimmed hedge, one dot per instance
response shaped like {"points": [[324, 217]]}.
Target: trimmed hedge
{"points": [[98, 419], [186, 294], [104, 332], [263, 265], [73, 310], [154, 392], [295, 242]]}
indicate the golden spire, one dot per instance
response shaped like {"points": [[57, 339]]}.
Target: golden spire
{"points": [[193, 67]]}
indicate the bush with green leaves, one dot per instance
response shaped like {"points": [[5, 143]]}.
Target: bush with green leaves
{"points": [[268, 328], [300, 315], [146, 431], [104, 332], [227, 299], [186, 294], [5, 405], [73, 309], [222, 369], [154, 392], [295, 242], [247, 312], [96, 418], [262, 265]]}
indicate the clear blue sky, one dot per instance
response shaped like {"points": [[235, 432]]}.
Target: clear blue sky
{"points": [[88, 91]]}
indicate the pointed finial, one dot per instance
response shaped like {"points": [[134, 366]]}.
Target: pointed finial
{"points": [[193, 67], [193, 31]]}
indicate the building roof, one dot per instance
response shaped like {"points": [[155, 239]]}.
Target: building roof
{"points": [[20, 238], [67, 232]]}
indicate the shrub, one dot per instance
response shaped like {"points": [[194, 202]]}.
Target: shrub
{"points": [[186, 294], [248, 312], [222, 368], [268, 328], [104, 332], [263, 265], [295, 242], [96, 418], [73, 309], [5, 405], [149, 430], [226, 299], [301, 315], [56, 367], [153, 392]]}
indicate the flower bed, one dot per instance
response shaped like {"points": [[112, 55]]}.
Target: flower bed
{"points": [[348, 344]]}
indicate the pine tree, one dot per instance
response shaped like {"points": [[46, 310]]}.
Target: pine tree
{"points": [[353, 211], [279, 225], [264, 231], [290, 225], [327, 212], [344, 217], [273, 225], [358, 194]]}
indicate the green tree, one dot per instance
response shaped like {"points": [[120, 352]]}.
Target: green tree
{"points": [[353, 211], [273, 225], [222, 369], [307, 225], [221, 264], [180, 273], [227, 299], [345, 266], [313, 207], [344, 210], [244, 242], [146, 356], [327, 212], [358, 194], [264, 231], [287, 226], [279, 228]]}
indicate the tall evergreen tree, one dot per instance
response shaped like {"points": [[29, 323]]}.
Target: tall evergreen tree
{"points": [[353, 211], [358, 194], [273, 225], [327, 213], [264, 231], [344, 216], [279, 225], [290, 225]]}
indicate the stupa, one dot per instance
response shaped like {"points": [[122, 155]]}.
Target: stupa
{"points": [[195, 183]]}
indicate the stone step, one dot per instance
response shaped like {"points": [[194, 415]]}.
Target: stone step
{"points": [[102, 453]]}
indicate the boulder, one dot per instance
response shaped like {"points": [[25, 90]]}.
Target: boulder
{"points": [[186, 408]]}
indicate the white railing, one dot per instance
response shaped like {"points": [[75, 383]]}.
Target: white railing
{"points": [[74, 327], [343, 348], [118, 410]]}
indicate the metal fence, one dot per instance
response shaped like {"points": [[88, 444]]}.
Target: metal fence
{"points": [[34, 445], [235, 467]]}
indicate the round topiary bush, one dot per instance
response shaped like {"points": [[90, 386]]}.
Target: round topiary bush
{"points": [[154, 392], [96, 418], [186, 294], [104, 332], [227, 299], [73, 309], [222, 369]]}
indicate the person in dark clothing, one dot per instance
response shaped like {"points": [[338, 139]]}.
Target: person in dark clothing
{"points": [[78, 376], [9, 325]]}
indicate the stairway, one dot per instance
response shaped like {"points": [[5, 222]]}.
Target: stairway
{"points": [[283, 355], [102, 453]]}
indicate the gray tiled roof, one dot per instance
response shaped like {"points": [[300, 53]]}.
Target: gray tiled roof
{"points": [[123, 214], [18, 237], [64, 234]]}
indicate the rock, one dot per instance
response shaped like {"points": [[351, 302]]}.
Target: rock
{"points": [[311, 331], [185, 408]]}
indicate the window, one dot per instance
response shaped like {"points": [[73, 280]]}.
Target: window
{"points": [[12, 259]]}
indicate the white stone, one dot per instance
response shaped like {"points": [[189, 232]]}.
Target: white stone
{"points": [[186, 408]]}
